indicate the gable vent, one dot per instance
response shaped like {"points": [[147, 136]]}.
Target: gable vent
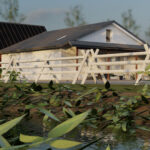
{"points": [[108, 35]]}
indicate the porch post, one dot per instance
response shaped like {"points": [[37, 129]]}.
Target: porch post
{"points": [[77, 54], [108, 68], [136, 66]]}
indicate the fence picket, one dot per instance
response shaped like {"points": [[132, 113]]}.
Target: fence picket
{"points": [[89, 65]]}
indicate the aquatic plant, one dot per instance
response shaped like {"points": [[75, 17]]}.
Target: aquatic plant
{"points": [[53, 135]]}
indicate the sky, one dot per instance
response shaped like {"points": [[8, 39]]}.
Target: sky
{"points": [[51, 13]]}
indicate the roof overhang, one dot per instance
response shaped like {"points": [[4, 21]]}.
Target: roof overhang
{"points": [[107, 46]]}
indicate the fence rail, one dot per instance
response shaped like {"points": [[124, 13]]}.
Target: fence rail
{"points": [[90, 63]]}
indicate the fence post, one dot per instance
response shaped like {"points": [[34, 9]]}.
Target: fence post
{"points": [[98, 67], [81, 66], [144, 64]]}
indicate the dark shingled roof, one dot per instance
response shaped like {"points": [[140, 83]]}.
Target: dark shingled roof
{"points": [[107, 46], [57, 39], [11, 33]]}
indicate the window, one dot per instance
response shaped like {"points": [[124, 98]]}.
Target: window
{"points": [[108, 35]]}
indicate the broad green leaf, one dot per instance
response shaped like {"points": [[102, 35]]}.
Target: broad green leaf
{"points": [[147, 68], [115, 119], [49, 114], [4, 142], [68, 103], [43, 141], [64, 144], [30, 106], [145, 99], [10, 124], [45, 118], [145, 89], [1, 121], [124, 126], [87, 93], [143, 128], [19, 147], [108, 116], [98, 96], [29, 139], [68, 125], [69, 111], [108, 147]]}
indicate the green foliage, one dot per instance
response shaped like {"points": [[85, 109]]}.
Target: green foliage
{"points": [[64, 144], [58, 131], [50, 85], [54, 101], [108, 147], [13, 75], [86, 93], [68, 112], [147, 34], [10, 124], [29, 139], [129, 22], [5, 128], [119, 114], [146, 71], [67, 126], [4, 142], [49, 114], [74, 17], [9, 11], [36, 87]]}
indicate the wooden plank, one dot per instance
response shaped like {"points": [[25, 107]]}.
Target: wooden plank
{"points": [[48, 66], [88, 65], [144, 62], [51, 59], [116, 71], [122, 54], [118, 63], [52, 72], [81, 66]]}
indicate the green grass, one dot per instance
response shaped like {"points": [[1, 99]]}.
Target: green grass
{"points": [[82, 88], [119, 88]]}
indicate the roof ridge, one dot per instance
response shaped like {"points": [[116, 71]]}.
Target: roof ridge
{"points": [[108, 22], [22, 24]]}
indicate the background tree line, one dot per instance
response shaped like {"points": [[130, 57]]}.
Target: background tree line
{"points": [[9, 11]]}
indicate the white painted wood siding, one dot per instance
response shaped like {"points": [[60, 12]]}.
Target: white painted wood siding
{"points": [[119, 36], [36, 55]]}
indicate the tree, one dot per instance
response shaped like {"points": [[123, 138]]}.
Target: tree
{"points": [[9, 11], [129, 22], [74, 17], [147, 34]]}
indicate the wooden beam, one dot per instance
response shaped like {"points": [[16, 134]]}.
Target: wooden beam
{"points": [[108, 68], [136, 67], [77, 61]]}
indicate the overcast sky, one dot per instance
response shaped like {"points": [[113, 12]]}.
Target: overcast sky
{"points": [[51, 13]]}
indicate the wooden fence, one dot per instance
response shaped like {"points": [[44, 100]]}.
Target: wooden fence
{"points": [[89, 63]]}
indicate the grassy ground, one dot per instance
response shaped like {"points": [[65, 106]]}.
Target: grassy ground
{"points": [[65, 99]]}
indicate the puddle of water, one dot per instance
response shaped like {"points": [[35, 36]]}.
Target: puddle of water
{"points": [[117, 141]]}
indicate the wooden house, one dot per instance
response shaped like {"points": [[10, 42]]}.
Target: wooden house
{"points": [[109, 37]]}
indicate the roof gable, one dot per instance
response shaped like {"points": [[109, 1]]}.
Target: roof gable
{"points": [[57, 38], [120, 35]]}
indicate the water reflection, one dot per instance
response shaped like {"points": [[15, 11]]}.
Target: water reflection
{"points": [[117, 140]]}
